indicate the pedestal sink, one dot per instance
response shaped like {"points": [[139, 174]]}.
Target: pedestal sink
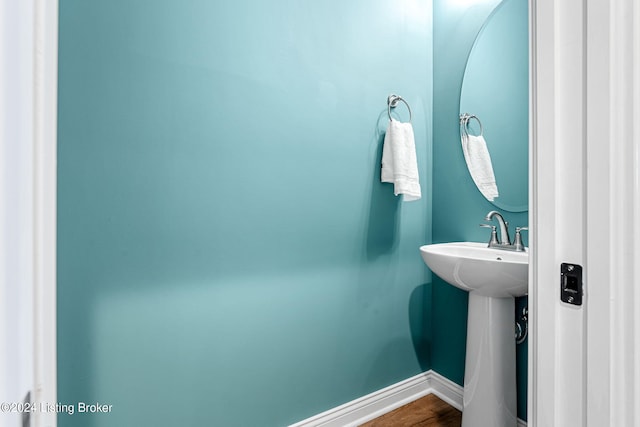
{"points": [[493, 277]]}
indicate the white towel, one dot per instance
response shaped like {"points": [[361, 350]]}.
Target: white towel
{"points": [[399, 162], [479, 164]]}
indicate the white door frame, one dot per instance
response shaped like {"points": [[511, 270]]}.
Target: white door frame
{"points": [[585, 199], [45, 26], [29, 56]]}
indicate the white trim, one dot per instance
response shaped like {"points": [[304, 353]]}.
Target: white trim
{"points": [[372, 405], [380, 402], [45, 23], [532, 367], [447, 390], [16, 205], [613, 138], [585, 209], [557, 357]]}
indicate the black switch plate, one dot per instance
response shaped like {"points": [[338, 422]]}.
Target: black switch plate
{"points": [[571, 283]]}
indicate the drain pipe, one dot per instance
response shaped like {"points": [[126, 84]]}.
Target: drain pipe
{"points": [[521, 326]]}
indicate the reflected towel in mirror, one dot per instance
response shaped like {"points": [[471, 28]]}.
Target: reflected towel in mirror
{"points": [[479, 164]]}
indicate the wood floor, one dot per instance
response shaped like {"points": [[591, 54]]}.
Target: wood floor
{"points": [[429, 411]]}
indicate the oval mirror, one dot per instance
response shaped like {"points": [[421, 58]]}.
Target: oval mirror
{"points": [[495, 88]]}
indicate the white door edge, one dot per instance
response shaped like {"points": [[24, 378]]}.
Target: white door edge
{"points": [[585, 209], [45, 24]]}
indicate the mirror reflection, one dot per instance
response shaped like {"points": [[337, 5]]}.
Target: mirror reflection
{"points": [[496, 90]]}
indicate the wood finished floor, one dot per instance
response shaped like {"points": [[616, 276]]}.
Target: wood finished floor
{"points": [[429, 411]]}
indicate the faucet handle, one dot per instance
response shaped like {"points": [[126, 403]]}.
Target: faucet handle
{"points": [[518, 238], [494, 234]]}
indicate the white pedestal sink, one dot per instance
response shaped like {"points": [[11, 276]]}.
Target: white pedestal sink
{"points": [[493, 278]]}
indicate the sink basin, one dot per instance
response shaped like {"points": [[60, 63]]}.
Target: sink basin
{"points": [[476, 268]]}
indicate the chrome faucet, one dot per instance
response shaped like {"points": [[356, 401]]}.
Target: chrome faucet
{"points": [[505, 241], [504, 230]]}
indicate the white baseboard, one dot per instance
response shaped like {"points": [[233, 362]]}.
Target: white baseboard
{"points": [[373, 405]]}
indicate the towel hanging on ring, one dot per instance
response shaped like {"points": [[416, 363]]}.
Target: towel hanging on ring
{"points": [[399, 161], [478, 159]]}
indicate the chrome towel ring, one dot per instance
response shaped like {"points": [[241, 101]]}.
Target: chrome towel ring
{"points": [[392, 102], [464, 123]]}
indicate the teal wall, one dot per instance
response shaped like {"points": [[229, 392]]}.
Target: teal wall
{"points": [[458, 207], [223, 238], [226, 253]]}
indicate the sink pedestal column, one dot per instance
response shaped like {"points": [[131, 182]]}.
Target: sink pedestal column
{"points": [[490, 365]]}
